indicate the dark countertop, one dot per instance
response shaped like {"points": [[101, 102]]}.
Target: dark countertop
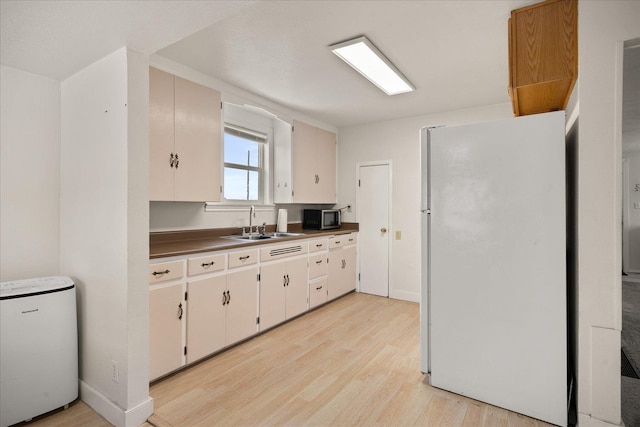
{"points": [[173, 243]]}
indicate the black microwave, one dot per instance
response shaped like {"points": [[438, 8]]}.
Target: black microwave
{"points": [[320, 219]]}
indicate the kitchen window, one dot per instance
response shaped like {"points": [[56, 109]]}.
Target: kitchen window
{"points": [[243, 164]]}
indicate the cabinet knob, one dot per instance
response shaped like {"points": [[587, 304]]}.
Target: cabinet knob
{"points": [[383, 230]]}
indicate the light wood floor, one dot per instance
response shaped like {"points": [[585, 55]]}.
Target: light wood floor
{"points": [[352, 362]]}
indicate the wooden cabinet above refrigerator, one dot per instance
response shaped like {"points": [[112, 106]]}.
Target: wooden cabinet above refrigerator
{"points": [[543, 56]]}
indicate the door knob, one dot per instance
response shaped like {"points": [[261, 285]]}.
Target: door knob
{"points": [[383, 230]]}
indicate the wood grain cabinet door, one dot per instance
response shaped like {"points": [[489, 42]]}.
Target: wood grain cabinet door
{"points": [[166, 317], [206, 329]]}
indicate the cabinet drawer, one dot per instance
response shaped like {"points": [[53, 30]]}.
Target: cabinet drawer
{"points": [[240, 258], [318, 245], [351, 239], [342, 240], [205, 264], [164, 271], [317, 266], [317, 292]]}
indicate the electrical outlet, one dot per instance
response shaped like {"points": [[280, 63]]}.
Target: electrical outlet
{"points": [[115, 372]]}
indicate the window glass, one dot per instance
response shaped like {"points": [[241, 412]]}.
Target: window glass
{"points": [[243, 169], [240, 184], [240, 151]]}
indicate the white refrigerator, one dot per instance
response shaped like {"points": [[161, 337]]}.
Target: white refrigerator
{"points": [[493, 305]]}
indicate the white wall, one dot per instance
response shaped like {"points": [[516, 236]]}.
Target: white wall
{"points": [[399, 141], [29, 175], [603, 26], [103, 231]]}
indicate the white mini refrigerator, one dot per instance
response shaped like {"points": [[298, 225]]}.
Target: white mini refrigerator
{"points": [[493, 307], [38, 347]]}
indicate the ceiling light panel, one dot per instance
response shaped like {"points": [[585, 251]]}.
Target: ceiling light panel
{"points": [[366, 59]]}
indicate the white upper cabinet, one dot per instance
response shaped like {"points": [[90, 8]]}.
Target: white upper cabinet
{"points": [[306, 173], [184, 139]]}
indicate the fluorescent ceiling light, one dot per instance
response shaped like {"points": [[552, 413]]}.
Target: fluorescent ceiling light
{"points": [[366, 59]]}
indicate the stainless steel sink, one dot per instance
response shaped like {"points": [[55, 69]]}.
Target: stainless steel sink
{"points": [[256, 236], [280, 234]]}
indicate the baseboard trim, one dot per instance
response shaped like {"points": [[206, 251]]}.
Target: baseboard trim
{"points": [[585, 420], [113, 413], [404, 295]]}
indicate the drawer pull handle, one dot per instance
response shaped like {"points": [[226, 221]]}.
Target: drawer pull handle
{"points": [[385, 230], [319, 262], [337, 242], [244, 258], [319, 245], [158, 273], [318, 288], [180, 311], [208, 264]]}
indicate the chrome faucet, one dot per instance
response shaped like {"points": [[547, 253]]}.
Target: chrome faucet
{"points": [[252, 214]]}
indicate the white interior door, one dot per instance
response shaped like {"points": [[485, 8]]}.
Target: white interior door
{"points": [[373, 213]]}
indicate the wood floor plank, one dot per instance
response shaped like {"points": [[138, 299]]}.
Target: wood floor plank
{"points": [[352, 362]]}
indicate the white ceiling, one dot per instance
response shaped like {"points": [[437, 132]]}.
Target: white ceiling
{"points": [[454, 52]]}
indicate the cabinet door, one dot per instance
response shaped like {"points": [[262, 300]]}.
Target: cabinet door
{"points": [[349, 271], [272, 295], [304, 163], [205, 317], [242, 306], [341, 276], [325, 166], [297, 287], [334, 274], [197, 142], [161, 123], [166, 317]]}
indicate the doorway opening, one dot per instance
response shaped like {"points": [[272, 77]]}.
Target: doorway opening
{"points": [[630, 336]]}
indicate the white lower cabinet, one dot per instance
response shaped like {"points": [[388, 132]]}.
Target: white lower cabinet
{"points": [[166, 328], [201, 304], [283, 291], [341, 275], [242, 305], [206, 327], [317, 292]]}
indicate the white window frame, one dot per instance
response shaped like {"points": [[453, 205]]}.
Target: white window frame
{"points": [[262, 169], [246, 122]]}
